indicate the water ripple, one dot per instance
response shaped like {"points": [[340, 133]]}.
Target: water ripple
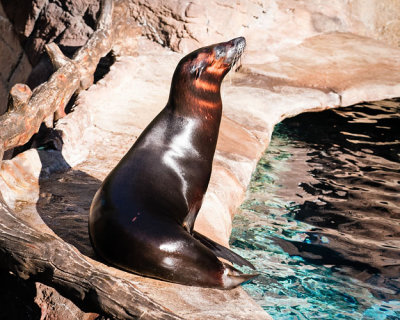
{"points": [[321, 221]]}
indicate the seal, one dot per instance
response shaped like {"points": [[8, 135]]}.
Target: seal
{"points": [[142, 217]]}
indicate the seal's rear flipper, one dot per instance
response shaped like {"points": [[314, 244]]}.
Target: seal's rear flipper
{"points": [[233, 277], [221, 251]]}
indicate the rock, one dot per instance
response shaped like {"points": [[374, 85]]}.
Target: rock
{"points": [[14, 65], [279, 79], [269, 26], [54, 24], [19, 177], [68, 23], [54, 306], [346, 64], [23, 14], [378, 19]]}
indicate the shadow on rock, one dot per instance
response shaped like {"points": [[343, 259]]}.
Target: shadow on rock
{"points": [[16, 296], [65, 198]]}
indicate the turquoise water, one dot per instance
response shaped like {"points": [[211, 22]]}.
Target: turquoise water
{"points": [[321, 220]]}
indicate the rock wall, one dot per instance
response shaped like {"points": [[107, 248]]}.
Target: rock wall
{"points": [[269, 25], [37, 22], [14, 65], [380, 19], [68, 23], [26, 26]]}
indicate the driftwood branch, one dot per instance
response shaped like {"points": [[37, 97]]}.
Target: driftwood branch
{"points": [[19, 124], [57, 58], [43, 257], [19, 96], [47, 259]]}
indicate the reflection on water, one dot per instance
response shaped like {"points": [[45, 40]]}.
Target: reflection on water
{"points": [[321, 221]]}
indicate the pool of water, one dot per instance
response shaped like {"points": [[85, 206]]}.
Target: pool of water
{"points": [[321, 220]]}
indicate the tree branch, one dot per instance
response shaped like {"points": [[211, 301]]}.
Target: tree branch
{"points": [[20, 124]]}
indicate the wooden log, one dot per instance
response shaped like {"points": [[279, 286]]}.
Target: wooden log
{"points": [[18, 125], [19, 96], [89, 58], [57, 58], [17, 104], [45, 258]]}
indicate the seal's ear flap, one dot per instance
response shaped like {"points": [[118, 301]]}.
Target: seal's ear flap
{"points": [[197, 70]]}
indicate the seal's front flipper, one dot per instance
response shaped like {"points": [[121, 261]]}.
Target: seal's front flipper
{"points": [[221, 251]]}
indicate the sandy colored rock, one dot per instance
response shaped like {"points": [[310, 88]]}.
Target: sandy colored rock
{"points": [[337, 62], [271, 26], [195, 303], [380, 19], [137, 88], [55, 307], [183, 26], [234, 138], [19, 178]]}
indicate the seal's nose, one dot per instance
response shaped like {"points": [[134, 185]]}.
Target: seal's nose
{"points": [[239, 42]]}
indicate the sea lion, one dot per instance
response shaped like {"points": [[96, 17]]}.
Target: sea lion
{"points": [[142, 217]]}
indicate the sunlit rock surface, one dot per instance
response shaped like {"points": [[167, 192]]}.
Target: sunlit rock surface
{"points": [[308, 72], [323, 72], [272, 25]]}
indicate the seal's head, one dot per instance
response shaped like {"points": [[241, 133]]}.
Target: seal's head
{"points": [[215, 60], [202, 71]]}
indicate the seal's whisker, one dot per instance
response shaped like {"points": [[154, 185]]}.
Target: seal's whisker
{"points": [[239, 64], [238, 58]]}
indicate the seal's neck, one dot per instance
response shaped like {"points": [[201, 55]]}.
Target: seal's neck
{"points": [[196, 97]]}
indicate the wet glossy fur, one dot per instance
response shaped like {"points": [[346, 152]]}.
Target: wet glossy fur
{"points": [[142, 217]]}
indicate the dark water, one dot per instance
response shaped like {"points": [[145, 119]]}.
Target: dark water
{"points": [[321, 221]]}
